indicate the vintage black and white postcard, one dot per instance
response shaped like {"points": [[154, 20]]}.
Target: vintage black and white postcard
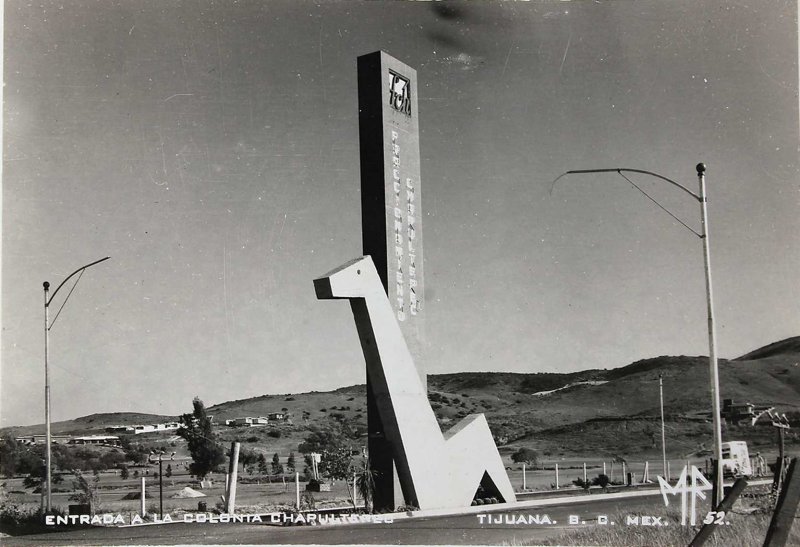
{"points": [[395, 272]]}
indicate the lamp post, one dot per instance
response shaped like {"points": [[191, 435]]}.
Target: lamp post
{"points": [[703, 234], [48, 299]]}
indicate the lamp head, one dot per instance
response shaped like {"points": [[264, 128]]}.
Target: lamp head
{"points": [[701, 168]]}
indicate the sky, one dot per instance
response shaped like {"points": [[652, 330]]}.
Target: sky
{"points": [[211, 150]]}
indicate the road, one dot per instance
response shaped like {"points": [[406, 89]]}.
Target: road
{"points": [[446, 530]]}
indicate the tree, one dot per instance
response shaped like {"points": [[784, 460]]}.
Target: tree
{"points": [[319, 439], [527, 455], [290, 463], [35, 478], [277, 468], [262, 464], [123, 472], [86, 493], [136, 453], [109, 460], [335, 463], [248, 459], [168, 471], [333, 445], [650, 433], [19, 459], [365, 484], [206, 452], [9, 455]]}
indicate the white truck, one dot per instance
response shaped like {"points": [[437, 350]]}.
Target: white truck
{"points": [[736, 459]]}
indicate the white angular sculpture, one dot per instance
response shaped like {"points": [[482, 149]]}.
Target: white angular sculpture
{"points": [[436, 471]]}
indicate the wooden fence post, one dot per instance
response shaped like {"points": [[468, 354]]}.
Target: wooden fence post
{"points": [[708, 529], [783, 517]]}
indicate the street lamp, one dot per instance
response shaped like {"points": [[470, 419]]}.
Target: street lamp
{"points": [[48, 299], [703, 234]]}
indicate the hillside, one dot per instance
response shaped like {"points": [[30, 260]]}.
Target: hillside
{"points": [[782, 348], [542, 409]]}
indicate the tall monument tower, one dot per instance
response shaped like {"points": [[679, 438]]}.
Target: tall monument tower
{"points": [[391, 223]]}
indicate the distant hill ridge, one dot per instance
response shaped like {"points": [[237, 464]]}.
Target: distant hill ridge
{"points": [[124, 418], [768, 375], [783, 347]]}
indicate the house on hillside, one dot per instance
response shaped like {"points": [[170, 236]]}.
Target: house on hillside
{"points": [[247, 421], [108, 440], [149, 428], [42, 439], [276, 416], [124, 429]]}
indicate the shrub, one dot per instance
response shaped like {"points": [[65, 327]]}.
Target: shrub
{"points": [[274, 433], [307, 500], [22, 519], [527, 455], [601, 480], [153, 509], [579, 482]]}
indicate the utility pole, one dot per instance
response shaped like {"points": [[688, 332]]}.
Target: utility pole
{"points": [[160, 488], [160, 455], [663, 436]]}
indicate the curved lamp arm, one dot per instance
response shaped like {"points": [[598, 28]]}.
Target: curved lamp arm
{"points": [[69, 276], [627, 170]]}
